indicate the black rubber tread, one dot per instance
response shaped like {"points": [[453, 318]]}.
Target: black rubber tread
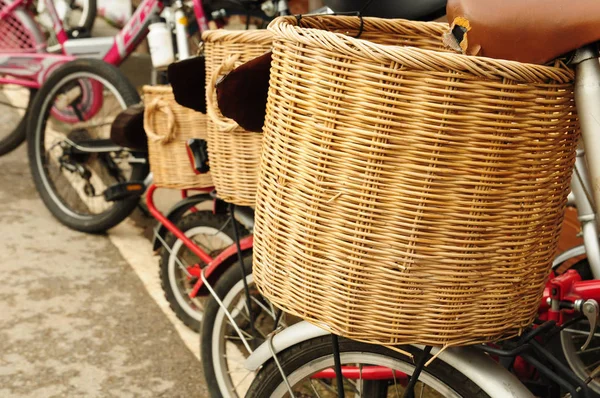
{"points": [[12, 141], [269, 378], [88, 24], [120, 210], [226, 282]]}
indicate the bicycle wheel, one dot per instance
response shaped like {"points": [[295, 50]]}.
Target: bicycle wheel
{"points": [[568, 349], [221, 349], [212, 233], [14, 102], [73, 14], [73, 163], [82, 15], [304, 360], [583, 363]]}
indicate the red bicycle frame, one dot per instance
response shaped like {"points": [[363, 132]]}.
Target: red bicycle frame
{"points": [[567, 288], [211, 263]]}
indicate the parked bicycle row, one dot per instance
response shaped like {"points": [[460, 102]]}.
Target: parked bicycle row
{"points": [[371, 201]]}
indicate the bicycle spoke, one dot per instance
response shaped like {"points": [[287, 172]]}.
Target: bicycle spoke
{"points": [[241, 381], [588, 350], [232, 337], [314, 389], [582, 334], [395, 384], [327, 387], [264, 336], [263, 307], [592, 366], [354, 385], [200, 240], [202, 245], [248, 335], [360, 379], [182, 267], [237, 369]]}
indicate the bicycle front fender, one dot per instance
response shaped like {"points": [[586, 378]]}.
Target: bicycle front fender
{"points": [[480, 368], [567, 255]]}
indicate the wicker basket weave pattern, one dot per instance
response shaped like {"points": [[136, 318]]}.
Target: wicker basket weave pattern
{"points": [[169, 126], [408, 194], [234, 152]]}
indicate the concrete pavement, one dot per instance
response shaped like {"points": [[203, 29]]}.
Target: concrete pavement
{"points": [[76, 320]]}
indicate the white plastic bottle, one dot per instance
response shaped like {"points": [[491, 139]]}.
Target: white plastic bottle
{"points": [[160, 41]]}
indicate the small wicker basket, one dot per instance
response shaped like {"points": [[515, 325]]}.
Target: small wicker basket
{"points": [[169, 126], [408, 194], [234, 153]]}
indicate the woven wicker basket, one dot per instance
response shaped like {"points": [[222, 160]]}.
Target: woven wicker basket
{"points": [[169, 126], [409, 195], [234, 152]]}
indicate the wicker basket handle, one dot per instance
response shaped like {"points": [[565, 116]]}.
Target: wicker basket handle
{"points": [[158, 105], [212, 107]]}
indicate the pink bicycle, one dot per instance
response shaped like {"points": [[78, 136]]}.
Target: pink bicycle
{"points": [[81, 91]]}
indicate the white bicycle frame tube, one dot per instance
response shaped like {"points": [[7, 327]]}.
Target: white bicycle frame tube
{"points": [[585, 183], [583, 199], [181, 39]]}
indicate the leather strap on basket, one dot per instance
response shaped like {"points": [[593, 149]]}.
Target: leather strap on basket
{"points": [[158, 105], [212, 107]]}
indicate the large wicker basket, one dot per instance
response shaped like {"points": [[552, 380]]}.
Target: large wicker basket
{"points": [[234, 153], [409, 195], [169, 126]]}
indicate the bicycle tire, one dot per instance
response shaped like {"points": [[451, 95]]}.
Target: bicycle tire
{"points": [[215, 375], [14, 139], [40, 110], [88, 15], [558, 345], [200, 221], [268, 382]]}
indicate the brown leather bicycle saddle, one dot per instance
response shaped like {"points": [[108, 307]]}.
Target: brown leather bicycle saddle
{"points": [[534, 31]]}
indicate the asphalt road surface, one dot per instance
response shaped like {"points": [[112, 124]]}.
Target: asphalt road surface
{"points": [[83, 315]]}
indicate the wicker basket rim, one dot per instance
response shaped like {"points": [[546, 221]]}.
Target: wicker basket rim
{"points": [[258, 36], [415, 58]]}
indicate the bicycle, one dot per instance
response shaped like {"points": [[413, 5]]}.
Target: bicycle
{"points": [[74, 161], [294, 358], [231, 329]]}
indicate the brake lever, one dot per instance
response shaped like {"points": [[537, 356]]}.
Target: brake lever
{"points": [[591, 311]]}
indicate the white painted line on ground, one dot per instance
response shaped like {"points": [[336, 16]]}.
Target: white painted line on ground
{"points": [[137, 251]]}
